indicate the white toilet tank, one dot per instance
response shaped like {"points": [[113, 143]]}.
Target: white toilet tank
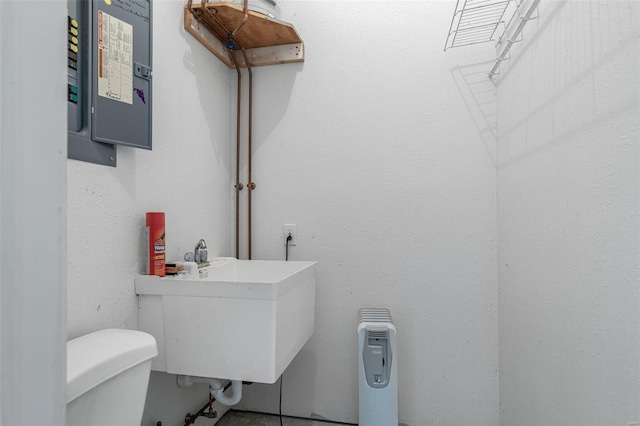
{"points": [[107, 377]]}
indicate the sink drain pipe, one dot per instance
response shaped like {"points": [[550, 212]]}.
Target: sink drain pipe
{"points": [[215, 388]]}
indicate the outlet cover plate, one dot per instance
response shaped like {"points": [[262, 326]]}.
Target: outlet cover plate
{"points": [[289, 228]]}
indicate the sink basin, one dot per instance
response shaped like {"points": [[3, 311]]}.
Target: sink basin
{"points": [[242, 320]]}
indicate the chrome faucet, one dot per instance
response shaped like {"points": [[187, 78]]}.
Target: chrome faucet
{"points": [[200, 251]]}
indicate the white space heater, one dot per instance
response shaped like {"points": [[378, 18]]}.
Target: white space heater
{"points": [[377, 368]]}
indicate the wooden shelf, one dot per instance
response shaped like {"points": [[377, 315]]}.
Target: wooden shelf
{"points": [[266, 41]]}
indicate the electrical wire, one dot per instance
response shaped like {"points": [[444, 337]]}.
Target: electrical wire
{"points": [[280, 404], [286, 255]]}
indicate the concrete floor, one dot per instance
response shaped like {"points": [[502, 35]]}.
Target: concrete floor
{"points": [[241, 418]]}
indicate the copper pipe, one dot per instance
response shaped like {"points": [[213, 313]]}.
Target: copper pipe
{"points": [[198, 15], [244, 19], [251, 185], [239, 26], [238, 185], [204, 22], [221, 24], [232, 56], [189, 419], [207, 11]]}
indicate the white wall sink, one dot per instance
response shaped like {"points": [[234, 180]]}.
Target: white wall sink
{"points": [[246, 320]]}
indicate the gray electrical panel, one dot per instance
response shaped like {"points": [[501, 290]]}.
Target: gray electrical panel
{"points": [[109, 77]]}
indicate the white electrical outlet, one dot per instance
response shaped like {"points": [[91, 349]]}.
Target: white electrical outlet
{"points": [[289, 229]]}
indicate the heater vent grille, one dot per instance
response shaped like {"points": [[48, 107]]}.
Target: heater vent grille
{"points": [[374, 315], [376, 334]]}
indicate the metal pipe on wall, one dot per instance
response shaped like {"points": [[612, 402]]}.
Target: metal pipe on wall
{"points": [[238, 185], [232, 44], [244, 18], [190, 419], [251, 185]]}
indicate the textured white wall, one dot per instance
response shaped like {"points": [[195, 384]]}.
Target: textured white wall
{"points": [[375, 147], [568, 167], [370, 148], [379, 147], [187, 175]]}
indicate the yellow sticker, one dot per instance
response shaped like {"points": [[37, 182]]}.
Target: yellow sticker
{"points": [[74, 48], [108, 2], [74, 23], [74, 40], [74, 31]]}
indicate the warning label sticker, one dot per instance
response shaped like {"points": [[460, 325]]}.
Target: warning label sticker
{"points": [[115, 58]]}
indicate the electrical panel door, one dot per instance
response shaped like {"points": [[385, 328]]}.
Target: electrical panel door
{"points": [[109, 77]]}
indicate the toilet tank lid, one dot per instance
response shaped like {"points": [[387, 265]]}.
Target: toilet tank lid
{"points": [[97, 357]]}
